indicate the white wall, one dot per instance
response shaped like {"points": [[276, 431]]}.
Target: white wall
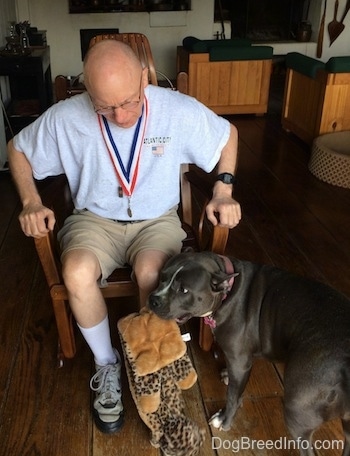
{"points": [[165, 30], [64, 40], [342, 45]]}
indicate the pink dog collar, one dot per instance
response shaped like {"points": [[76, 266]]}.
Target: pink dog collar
{"points": [[209, 319]]}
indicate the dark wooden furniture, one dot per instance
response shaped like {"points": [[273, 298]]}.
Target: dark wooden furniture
{"points": [[30, 85], [195, 194]]}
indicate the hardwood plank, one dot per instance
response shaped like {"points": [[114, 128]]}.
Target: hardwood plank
{"points": [[134, 437], [329, 439], [16, 271], [298, 224], [263, 381], [45, 411], [322, 199], [258, 420], [290, 219], [9, 203], [195, 410], [140, 441]]}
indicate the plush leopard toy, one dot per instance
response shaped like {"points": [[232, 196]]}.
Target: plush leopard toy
{"points": [[158, 368]]}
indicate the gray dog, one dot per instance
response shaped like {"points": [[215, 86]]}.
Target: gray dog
{"points": [[259, 310]]}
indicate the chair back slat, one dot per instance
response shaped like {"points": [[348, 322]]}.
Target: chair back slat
{"points": [[139, 44]]}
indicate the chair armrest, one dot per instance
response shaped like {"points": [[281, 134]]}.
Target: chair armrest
{"points": [[182, 82], [45, 247], [209, 237], [212, 238]]}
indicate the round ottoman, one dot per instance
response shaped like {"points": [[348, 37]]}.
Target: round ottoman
{"points": [[330, 158]]}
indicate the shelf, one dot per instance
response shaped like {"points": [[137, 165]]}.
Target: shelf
{"points": [[24, 108], [30, 86], [131, 6]]}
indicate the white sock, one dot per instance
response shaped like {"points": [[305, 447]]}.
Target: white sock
{"points": [[99, 340]]}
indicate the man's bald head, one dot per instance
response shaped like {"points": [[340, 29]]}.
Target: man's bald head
{"points": [[110, 60]]}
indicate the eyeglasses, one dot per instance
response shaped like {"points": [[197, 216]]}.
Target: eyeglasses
{"points": [[127, 105]]}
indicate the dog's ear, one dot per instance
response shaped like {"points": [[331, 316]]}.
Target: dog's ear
{"points": [[222, 282], [187, 250]]}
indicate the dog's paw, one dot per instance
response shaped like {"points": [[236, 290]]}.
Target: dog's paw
{"points": [[219, 421], [216, 420], [224, 376]]}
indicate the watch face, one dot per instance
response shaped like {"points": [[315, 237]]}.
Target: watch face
{"points": [[226, 178]]}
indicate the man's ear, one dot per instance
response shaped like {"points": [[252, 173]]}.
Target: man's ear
{"points": [[222, 282]]}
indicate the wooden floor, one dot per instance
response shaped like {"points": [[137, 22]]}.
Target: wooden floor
{"points": [[290, 219]]}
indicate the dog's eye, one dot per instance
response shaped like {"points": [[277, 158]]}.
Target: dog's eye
{"points": [[183, 290]]}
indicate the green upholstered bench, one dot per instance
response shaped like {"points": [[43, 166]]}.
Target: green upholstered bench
{"points": [[304, 64], [316, 96], [229, 76], [192, 44], [338, 64]]}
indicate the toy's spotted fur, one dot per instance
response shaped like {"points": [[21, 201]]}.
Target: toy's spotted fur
{"points": [[159, 401]]}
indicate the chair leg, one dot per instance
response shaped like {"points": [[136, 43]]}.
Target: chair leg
{"points": [[60, 356], [65, 328], [205, 336]]}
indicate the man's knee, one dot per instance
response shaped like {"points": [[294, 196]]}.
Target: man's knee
{"points": [[146, 277], [80, 267], [147, 268]]}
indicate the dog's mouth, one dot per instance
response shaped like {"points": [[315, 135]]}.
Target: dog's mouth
{"points": [[183, 319]]}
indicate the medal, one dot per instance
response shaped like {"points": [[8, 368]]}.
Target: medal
{"points": [[129, 211], [126, 175]]}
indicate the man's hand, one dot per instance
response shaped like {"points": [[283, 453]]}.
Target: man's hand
{"points": [[224, 211], [36, 220]]}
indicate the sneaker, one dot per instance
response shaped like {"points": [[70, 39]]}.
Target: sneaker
{"points": [[108, 408]]}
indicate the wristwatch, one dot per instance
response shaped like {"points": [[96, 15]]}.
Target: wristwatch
{"points": [[226, 178]]}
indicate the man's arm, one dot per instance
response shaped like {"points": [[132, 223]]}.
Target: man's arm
{"points": [[222, 203], [35, 219]]}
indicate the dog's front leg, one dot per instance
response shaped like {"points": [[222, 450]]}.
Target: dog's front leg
{"points": [[238, 374]]}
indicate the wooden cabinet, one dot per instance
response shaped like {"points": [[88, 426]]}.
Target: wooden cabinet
{"points": [[30, 85], [227, 87], [316, 106], [114, 6]]}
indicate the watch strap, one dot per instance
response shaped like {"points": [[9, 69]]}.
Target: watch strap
{"points": [[226, 178]]}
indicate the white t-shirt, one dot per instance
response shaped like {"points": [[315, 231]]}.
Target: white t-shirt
{"points": [[67, 139]]}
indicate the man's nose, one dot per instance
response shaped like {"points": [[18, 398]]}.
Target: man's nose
{"points": [[119, 115]]}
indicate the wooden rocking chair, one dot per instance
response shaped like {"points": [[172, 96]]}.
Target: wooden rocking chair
{"points": [[201, 235]]}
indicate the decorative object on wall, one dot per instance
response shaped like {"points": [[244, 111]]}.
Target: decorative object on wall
{"points": [[321, 32], [304, 32], [335, 28]]}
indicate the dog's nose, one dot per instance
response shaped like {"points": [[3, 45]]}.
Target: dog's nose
{"points": [[154, 301]]}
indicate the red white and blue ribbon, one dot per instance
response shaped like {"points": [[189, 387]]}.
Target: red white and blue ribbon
{"points": [[126, 173]]}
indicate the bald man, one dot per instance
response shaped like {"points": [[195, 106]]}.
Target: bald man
{"points": [[121, 145]]}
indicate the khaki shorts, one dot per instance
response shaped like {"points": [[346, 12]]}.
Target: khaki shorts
{"points": [[116, 244]]}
